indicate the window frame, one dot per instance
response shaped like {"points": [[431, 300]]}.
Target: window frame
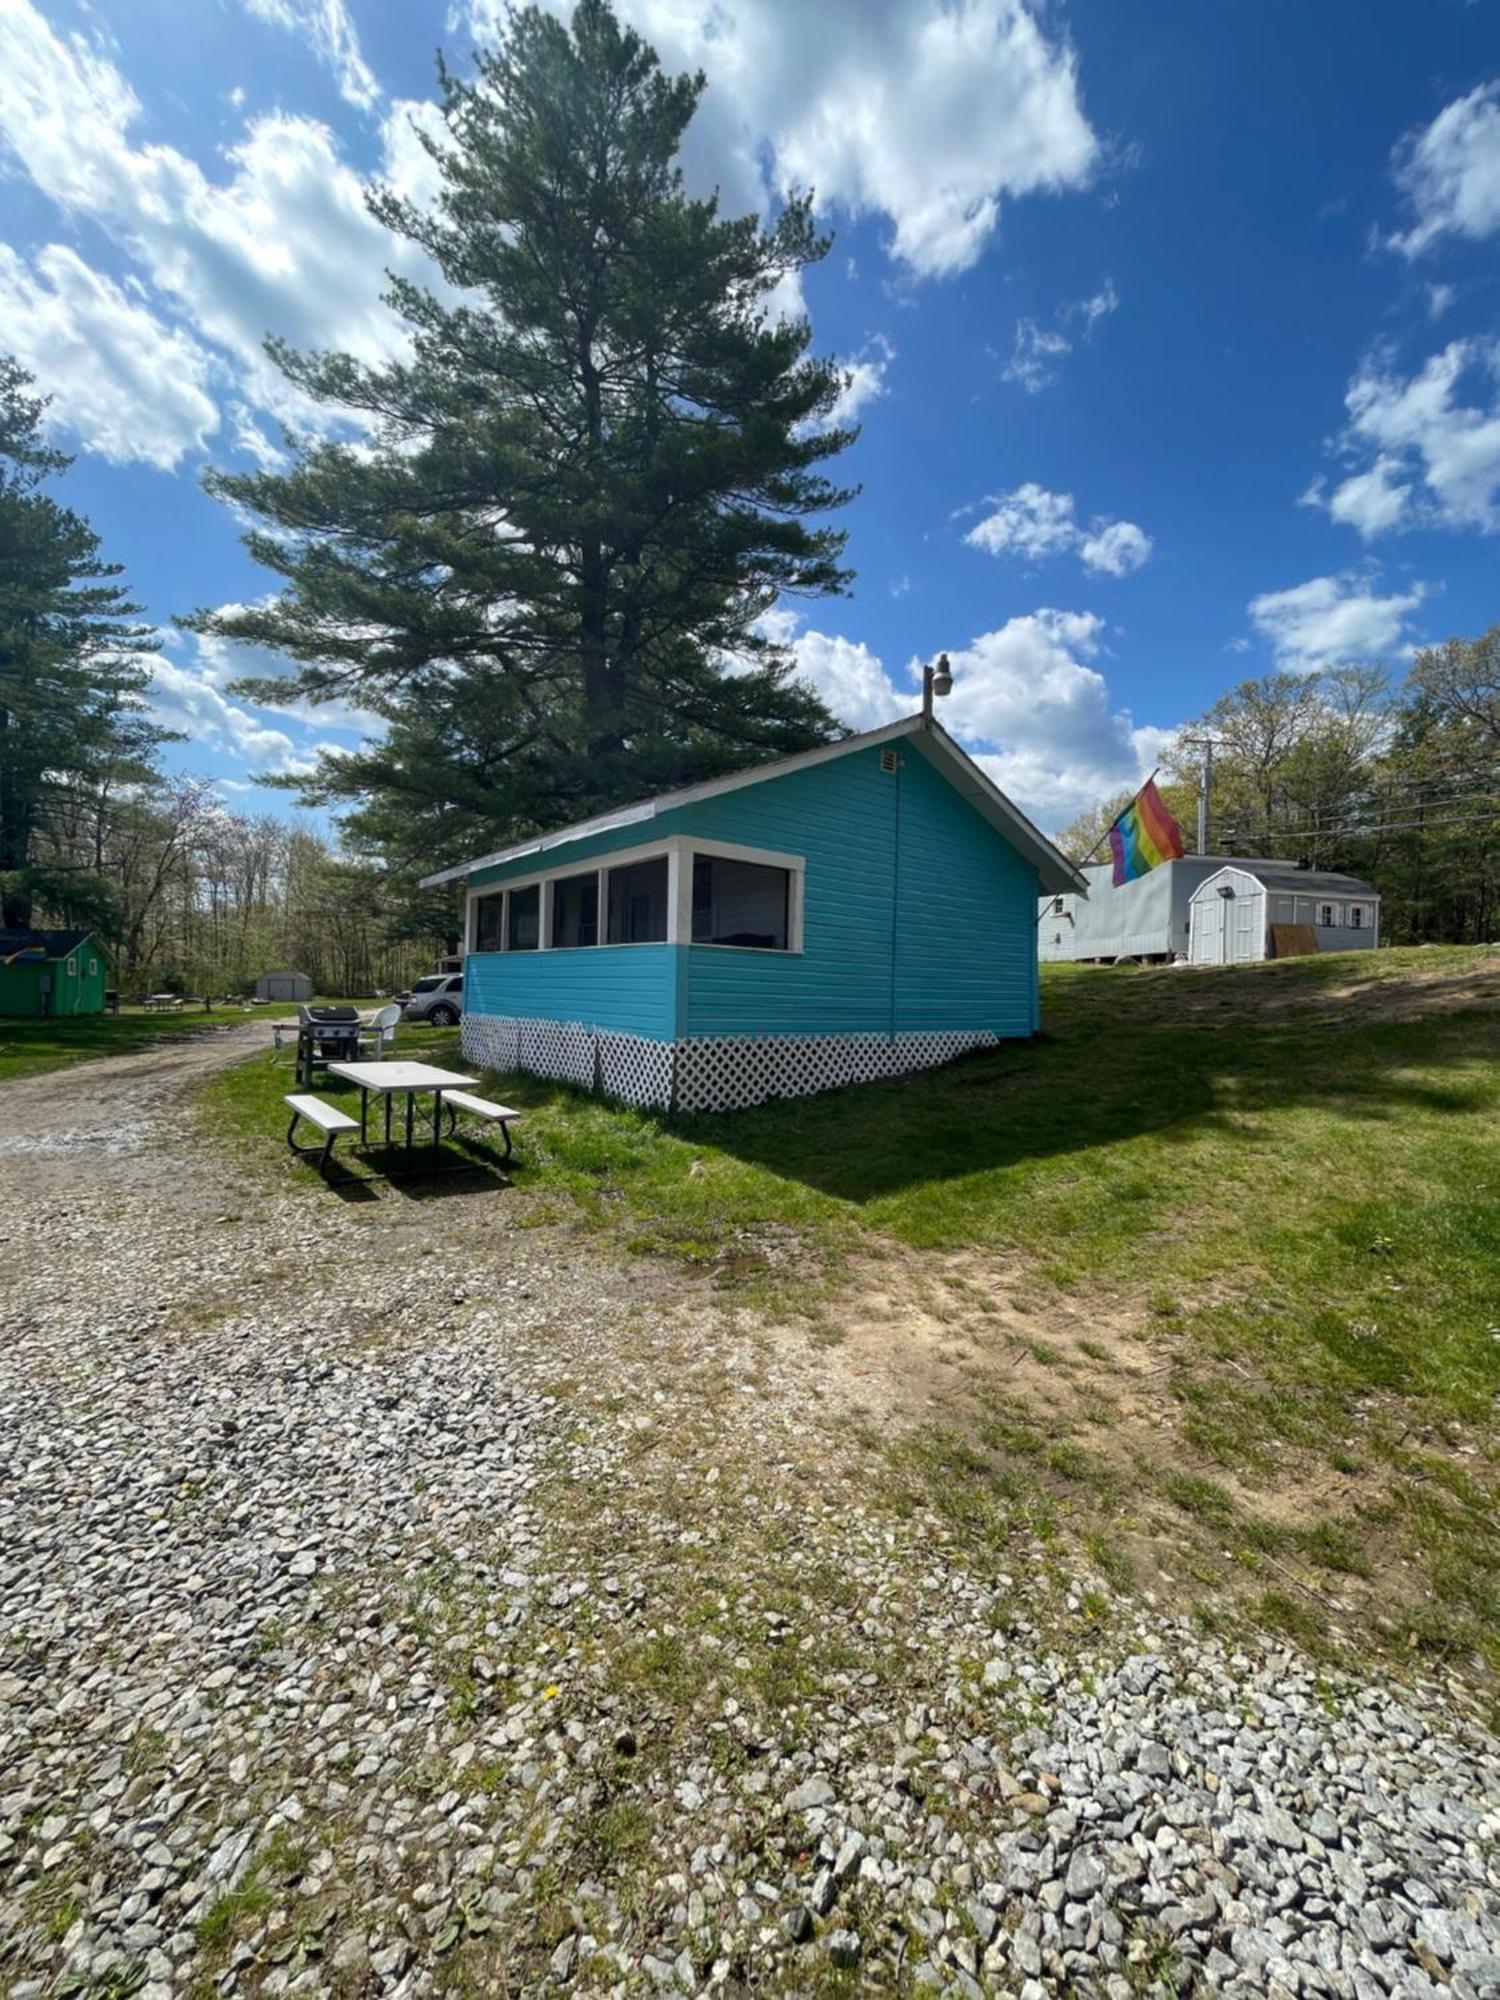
{"points": [[679, 850], [549, 903], [512, 890], [1334, 921]]}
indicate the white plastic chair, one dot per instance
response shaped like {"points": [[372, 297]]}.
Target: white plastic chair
{"points": [[379, 1032]]}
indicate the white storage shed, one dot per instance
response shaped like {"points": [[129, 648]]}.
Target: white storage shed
{"points": [[283, 986], [1234, 913], [1144, 919]]}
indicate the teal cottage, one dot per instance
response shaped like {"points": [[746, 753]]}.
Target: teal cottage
{"points": [[861, 910]]}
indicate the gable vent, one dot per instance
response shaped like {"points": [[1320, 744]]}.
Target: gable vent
{"points": [[888, 761]]}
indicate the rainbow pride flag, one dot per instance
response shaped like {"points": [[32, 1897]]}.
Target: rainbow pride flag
{"points": [[1144, 835]]}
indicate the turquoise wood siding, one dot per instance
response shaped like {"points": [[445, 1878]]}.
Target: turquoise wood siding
{"points": [[630, 988], [918, 914]]}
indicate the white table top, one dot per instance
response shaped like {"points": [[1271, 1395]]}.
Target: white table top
{"points": [[399, 1076]]}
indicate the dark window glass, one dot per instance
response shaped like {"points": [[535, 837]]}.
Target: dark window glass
{"points": [[740, 902], [488, 934], [575, 911], [638, 903], [524, 928]]}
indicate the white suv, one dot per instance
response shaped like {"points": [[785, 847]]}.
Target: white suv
{"points": [[437, 1001]]}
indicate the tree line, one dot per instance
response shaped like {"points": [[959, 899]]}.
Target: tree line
{"points": [[1353, 769]]}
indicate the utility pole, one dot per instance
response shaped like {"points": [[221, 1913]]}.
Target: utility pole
{"points": [[1205, 783]]}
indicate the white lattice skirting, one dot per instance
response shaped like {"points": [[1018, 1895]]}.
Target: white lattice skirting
{"points": [[705, 1072]]}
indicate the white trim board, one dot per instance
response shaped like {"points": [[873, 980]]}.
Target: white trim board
{"points": [[1054, 870], [678, 848]]}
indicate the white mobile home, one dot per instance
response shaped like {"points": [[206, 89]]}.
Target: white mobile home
{"points": [[1143, 919], [1235, 912]]}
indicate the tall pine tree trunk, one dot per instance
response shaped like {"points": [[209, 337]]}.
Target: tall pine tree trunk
{"points": [[15, 837]]}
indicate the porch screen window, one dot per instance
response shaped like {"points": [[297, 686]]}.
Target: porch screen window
{"points": [[638, 902], [740, 902], [575, 911], [524, 930], [488, 931]]}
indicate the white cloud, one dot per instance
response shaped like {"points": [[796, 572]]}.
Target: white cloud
{"points": [[864, 380], [932, 116], [252, 440], [1333, 621], [1039, 351], [1025, 701], [1094, 308], [850, 679], [123, 384], [1035, 359], [1433, 442], [1373, 501], [1032, 523], [216, 662], [1029, 522], [327, 29], [1118, 548], [185, 699], [281, 242], [1450, 173]]}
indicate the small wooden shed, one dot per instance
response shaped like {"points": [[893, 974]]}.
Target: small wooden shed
{"points": [[55, 974], [283, 986], [1236, 914]]}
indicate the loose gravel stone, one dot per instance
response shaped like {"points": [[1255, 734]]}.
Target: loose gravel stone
{"points": [[398, 1598]]}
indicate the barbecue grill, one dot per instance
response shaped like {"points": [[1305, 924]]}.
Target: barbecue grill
{"points": [[325, 1035]]}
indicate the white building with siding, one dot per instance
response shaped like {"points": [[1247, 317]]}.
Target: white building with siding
{"points": [[1234, 912], [1150, 919]]}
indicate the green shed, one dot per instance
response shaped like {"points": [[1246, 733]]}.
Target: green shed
{"points": [[57, 973]]}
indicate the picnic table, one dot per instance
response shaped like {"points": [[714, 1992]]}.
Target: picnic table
{"points": [[392, 1079]]}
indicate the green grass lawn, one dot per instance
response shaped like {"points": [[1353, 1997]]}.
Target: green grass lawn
{"points": [[1281, 1184], [28, 1047]]}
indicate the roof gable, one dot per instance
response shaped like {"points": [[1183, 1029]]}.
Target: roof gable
{"points": [[49, 944], [1055, 872]]}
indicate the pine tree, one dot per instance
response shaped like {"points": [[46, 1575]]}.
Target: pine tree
{"points": [[546, 561], [71, 718]]}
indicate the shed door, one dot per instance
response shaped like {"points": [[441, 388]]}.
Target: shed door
{"points": [[1206, 945], [1247, 922]]}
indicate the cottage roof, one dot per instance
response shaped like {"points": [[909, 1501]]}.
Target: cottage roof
{"points": [[1055, 872], [50, 944]]}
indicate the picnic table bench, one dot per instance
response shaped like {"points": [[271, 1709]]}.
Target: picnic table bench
{"points": [[389, 1080], [329, 1120]]}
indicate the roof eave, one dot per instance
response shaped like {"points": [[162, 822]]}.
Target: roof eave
{"points": [[649, 809], [1055, 872]]}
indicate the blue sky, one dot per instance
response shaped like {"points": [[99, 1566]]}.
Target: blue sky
{"points": [[1174, 330]]}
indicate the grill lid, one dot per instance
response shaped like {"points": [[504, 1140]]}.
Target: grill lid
{"points": [[329, 1017]]}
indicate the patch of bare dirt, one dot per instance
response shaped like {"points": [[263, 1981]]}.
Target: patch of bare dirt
{"points": [[1262, 993], [1082, 1398]]}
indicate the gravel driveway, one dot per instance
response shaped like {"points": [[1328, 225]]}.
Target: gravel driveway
{"points": [[404, 1598]]}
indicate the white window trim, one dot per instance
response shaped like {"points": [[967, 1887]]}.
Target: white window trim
{"points": [[678, 850], [72, 968]]}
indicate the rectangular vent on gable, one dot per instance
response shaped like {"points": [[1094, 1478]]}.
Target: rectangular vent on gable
{"points": [[889, 761]]}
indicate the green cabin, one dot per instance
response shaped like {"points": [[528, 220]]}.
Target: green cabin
{"points": [[55, 974]]}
